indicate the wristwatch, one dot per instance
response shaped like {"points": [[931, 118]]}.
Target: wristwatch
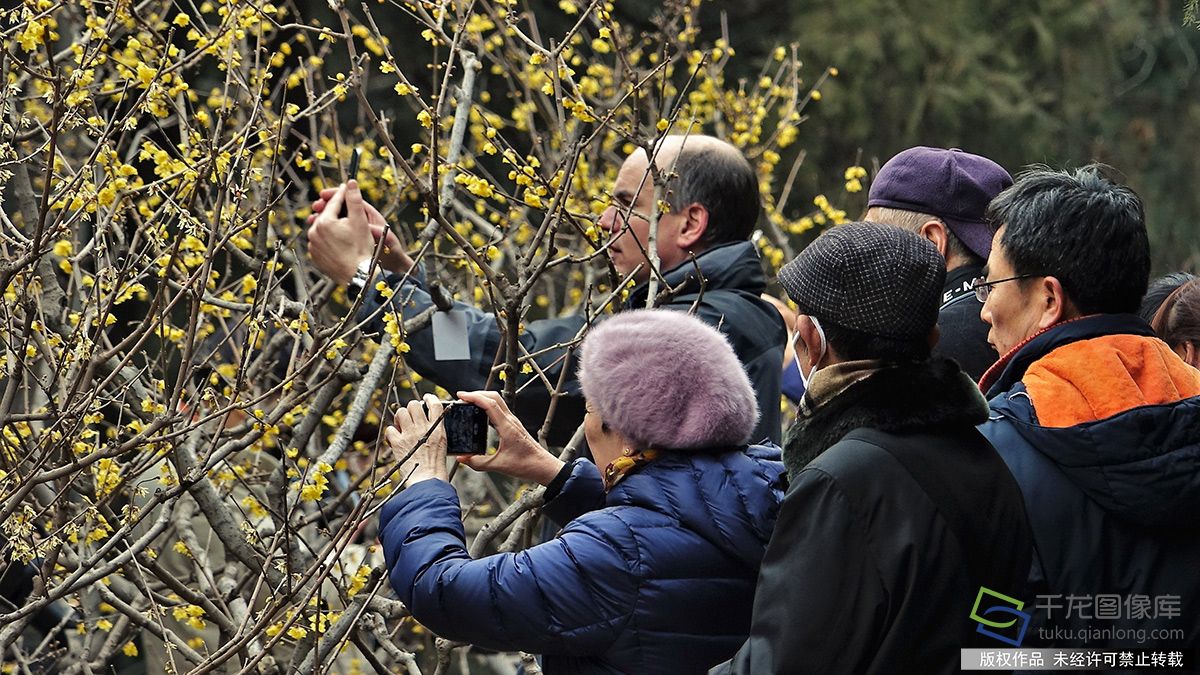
{"points": [[362, 276]]}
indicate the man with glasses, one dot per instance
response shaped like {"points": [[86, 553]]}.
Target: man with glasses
{"points": [[714, 205], [1094, 415], [942, 195]]}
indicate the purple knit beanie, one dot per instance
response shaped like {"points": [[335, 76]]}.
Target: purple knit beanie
{"points": [[667, 380]]}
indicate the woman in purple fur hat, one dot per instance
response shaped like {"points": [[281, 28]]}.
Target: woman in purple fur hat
{"points": [[662, 535]]}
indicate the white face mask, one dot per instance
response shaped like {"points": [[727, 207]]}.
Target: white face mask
{"points": [[804, 379]]}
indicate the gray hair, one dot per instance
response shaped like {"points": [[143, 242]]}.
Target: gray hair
{"points": [[722, 181], [913, 220]]}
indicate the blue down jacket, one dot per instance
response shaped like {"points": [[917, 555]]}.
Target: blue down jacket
{"points": [[1113, 502], [657, 576]]}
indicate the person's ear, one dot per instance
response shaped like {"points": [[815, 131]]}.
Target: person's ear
{"points": [[1188, 352], [935, 231], [934, 335], [1055, 306], [808, 341], [692, 227]]}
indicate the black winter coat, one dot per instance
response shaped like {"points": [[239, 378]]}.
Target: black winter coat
{"points": [[726, 295], [873, 568], [963, 334]]}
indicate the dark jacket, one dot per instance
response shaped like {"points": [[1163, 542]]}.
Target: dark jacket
{"points": [[963, 335], [885, 538], [657, 576], [1098, 421], [732, 283]]}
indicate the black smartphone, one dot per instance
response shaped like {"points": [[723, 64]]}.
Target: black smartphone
{"points": [[352, 171], [466, 428]]}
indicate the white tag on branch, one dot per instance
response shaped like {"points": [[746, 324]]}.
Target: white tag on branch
{"points": [[450, 340]]}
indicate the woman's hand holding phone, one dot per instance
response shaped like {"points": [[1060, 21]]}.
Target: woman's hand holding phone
{"points": [[420, 420], [519, 454]]}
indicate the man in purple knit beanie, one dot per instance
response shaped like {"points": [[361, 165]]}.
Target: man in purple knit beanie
{"points": [[942, 195]]}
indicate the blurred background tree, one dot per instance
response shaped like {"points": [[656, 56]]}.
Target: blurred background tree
{"points": [[1059, 82]]}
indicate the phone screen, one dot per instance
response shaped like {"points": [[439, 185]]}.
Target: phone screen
{"points": [[466, 429]]}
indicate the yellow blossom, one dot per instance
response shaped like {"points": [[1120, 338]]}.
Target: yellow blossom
{"points": [[359, 580], [32, 36], [107, 474], [314, 490]]}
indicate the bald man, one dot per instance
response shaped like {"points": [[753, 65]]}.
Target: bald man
{"points": [[714, 206]]}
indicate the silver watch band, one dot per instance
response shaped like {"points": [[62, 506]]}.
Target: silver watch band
{"points": [[363, 274]]}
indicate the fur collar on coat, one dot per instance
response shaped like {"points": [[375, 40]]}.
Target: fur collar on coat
{"points": [[913, 397]]}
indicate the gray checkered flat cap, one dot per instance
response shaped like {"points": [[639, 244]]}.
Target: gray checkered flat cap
{"points": [[876, 279]]}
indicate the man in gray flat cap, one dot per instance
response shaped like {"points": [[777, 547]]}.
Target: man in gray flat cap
{"points": [[898, 509]]}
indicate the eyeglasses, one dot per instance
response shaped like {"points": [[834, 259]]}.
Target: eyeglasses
{"points": [[983, 287]]}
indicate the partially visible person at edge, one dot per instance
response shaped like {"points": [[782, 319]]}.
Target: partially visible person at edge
{"points": [[942, 195], [791, 384], [662, 537], [1172, 306], [1095, 416], [1158, 291], [898, 509], [714, 205]]}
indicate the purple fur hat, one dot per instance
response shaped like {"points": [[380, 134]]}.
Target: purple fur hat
{"points": [[667, 380]]}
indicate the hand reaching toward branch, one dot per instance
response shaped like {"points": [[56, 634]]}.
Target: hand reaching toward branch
{"points": [[414, 427], [338, 244], [519, 455], [332, 241]]}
